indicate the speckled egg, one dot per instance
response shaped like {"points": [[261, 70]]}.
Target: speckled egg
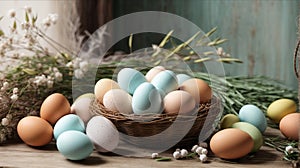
{"points": [[103, 86], [103, 134], [81, 107], [54, 107], [118, 100], [129, 79]]}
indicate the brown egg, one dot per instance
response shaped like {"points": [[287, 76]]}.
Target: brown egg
{"points": [[179, 102], [103, 86], [35, 131], [290, 126], [54, 107], [231, 143], [198, 88]]}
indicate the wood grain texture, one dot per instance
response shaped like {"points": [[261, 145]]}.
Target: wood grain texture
{"points": [[262, 33], [20, 155]]}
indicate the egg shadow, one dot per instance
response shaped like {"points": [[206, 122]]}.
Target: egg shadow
{"points": [[90, 161]]}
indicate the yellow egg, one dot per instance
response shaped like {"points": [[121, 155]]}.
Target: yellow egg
{"points": [[54, 107], [280, 108], [228, 120], [198, 88], [290, 126], [35, 131], [103, 86], [179, 102], [231, 143]]}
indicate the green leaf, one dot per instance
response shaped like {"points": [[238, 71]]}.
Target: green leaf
{"points": [[29, 71], [33, 19], [165, 40], [1, 17], [163, 159], [1, 32], [130, 42]]}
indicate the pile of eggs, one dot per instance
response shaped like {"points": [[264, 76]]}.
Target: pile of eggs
{"points": [[243, 134], [159, 91], [240, 134], [76, 135]]}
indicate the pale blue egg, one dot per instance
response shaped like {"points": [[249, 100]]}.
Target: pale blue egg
{"points": [[147, 99], [74, 145], [253, 115], [68, 122], [129, 79], [165, 82], [182, 77]]}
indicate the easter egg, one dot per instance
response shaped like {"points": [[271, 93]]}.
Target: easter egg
{"points": [[231, 143], [280, 108], [103, 134], [253, 115], [35, 131], [153, 72], [147, 99], [165, 82], [179, 102], [103, 86], [198, 88], [74, 145], [129, 79], [54, 107], [228, 120], [182, 77], [118, 100], [290, 126], [81, 107], [68, 122], [253, 132]]}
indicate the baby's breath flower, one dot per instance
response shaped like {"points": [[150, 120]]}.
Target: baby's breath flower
{"points": [[154, 155], [176, 155], [14, 97], [203, 158], [25, 25], [58, 76], [5, 85], [46, 22], [83, 66], [55, 69], [204, 151], [194, 148], [78, 74], [15, 91], [184, 152], [12, 13], [69, 64], [28, 9], [53, 17], [199, 150], [9, 116], [4, 121], [289, 149], [50, 84]]}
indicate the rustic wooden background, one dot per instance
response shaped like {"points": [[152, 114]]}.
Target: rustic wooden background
{"points": [[262, 33]]}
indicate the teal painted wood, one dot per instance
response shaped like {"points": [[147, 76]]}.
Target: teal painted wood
{"points": [[262, 33]]}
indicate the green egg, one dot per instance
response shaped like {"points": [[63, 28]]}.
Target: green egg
{"points": [[228, 120], [253, 132]]}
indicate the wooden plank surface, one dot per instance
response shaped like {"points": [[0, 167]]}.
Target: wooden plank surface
{"points": [[16, 154]]}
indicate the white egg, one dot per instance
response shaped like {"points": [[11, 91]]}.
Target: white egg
{"points": [[81, 107], [103, 133], [118, 100]]}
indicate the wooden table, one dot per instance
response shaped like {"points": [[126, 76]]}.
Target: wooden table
{"points": [[17, 154]]}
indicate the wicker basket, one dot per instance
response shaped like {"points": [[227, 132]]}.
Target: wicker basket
{"points": [[149, 125]]}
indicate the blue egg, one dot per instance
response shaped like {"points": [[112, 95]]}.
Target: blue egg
{"points": [[165, 82], [182, 77], [147, 99], [68, 122], [253, 115], [74, 145], [129, 79]]}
